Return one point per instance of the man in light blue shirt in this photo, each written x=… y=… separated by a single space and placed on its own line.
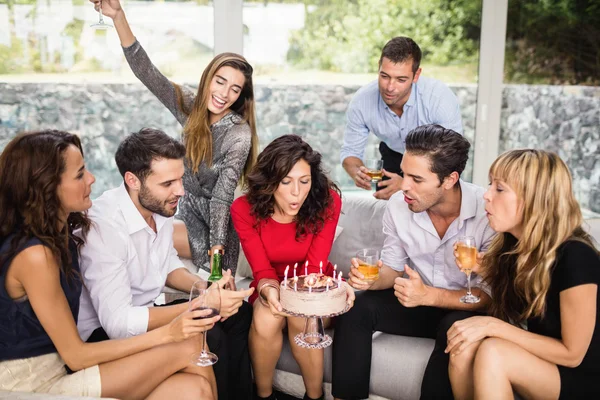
x=398 y=102
x=420 y=287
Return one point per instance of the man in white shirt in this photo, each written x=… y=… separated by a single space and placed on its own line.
x=419 y=287
x=129 y=257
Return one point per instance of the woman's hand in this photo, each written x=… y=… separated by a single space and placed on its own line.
x=271 y=295
x=464 y=333
x=350 y=296
x=478 y=260
x=110 y=8
x=185 y=325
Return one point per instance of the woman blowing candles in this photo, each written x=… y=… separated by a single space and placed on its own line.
x=220 y=138
x=44 y=194
x=544 y=271
x=288 y=215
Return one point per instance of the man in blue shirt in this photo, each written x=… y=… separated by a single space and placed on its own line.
x=398 y=102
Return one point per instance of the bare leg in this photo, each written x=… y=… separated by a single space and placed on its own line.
x=460 y=371
x=501 y=365
x=138 y=375
x=265 y=341
x=309 y=360
x=182 y=386
x=180 y=239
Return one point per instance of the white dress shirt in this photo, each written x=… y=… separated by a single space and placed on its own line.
x=412 y=235
x=124 y=265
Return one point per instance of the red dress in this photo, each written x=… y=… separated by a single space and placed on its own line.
x=272 y=246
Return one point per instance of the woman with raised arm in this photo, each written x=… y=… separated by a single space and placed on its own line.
x=219 y=132
x=288 y=215
x=544 y=272
x=44 y=194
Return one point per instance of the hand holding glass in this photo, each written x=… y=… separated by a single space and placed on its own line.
x=368 y=264
x=467 y=256
x=101 y=24
x=205 y=297
x=374 y=170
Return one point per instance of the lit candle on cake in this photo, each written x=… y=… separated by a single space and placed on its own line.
x=340 y=279
x=320 y=267
x=295 y=266
x=306 y=268
x=334 y=270
x=295 y=284
x=328 y=283
x=285 y=279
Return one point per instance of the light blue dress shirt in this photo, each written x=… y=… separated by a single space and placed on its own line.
x=412 y=235
x=430 y=102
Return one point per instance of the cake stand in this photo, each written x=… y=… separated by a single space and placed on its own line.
x=314 y=336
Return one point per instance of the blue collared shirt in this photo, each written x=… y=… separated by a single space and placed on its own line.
x=430 y=102
x=412 y=235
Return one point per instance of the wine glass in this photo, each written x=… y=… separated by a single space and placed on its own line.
x=374 y=170
x=467 y=256
x=101 y=24
x=205 y=297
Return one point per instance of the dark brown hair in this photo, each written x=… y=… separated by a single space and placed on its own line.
x=401 y=49
x=273 y=165
x=31 y=166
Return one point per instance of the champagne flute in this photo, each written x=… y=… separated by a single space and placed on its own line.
x=467 y=256
x=205 y=297
x=101 y=24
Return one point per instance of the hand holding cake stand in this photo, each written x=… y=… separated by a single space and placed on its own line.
x=314 y=297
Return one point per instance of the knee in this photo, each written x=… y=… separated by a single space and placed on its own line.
x=463 y=362
x=200 y=388
x=266 y=326
x=490 y=354
x=447 y=322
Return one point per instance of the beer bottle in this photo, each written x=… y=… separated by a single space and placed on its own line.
x=216 y=268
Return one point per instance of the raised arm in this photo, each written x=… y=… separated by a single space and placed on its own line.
x=141 y=65
x=356 y=134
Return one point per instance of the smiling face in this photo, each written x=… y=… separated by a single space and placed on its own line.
x=224 y=90
x=292 y=192
x=75 y=183
x=395 y=82
x=163 y=187
x=422 y=188
x=504 y=208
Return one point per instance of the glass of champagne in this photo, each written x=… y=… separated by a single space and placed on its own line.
x=467 y=256
x=374 y=170
x=368 y=264
x=205 y=297
x=101 y=24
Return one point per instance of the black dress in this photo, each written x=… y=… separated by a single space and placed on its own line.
x=577 y=264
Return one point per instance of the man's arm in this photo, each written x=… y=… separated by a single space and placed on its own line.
x=356 y=134
x=181 y=279
x=352 y=166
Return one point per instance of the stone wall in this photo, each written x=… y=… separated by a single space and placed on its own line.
x=563 y=119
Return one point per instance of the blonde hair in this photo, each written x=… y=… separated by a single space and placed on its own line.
x=518 y=271
x=197 y=136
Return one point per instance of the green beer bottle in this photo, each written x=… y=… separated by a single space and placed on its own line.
x=216 y=268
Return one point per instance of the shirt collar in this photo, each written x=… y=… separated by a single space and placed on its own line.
x=133 y=218
x=468 y=204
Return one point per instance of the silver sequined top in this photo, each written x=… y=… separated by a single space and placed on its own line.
x=210 y=191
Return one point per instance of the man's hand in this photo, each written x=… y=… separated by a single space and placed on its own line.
x=356 y=279
x=411 y=291
x=190 y=323
x=361 y=179
x=227 y=281
x=390 y=186
x=478 y=260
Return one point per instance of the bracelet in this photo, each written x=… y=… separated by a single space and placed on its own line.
x=270 y=283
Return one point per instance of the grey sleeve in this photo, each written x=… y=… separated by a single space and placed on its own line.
x=156 y=82
x=236 y=149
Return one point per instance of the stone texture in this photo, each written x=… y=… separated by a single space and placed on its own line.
x=564 y=119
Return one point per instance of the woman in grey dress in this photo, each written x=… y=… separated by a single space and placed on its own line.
x=219 y=131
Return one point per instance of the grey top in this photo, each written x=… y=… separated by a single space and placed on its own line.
x=231 y=146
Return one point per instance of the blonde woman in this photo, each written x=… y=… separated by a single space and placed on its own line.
x=219 y=133
x=544 y=272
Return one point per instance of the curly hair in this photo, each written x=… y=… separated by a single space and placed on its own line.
x=519 y=271
x=273 y=165
x=31 y=166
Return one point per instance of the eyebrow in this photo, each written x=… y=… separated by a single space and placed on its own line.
x=414 y=176
x=395 y=77
x=81 y=168
x=303 y=176
x=220 y=77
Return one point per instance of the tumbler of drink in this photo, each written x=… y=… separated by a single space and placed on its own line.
x=368 y=264
x=374 y=170
x=467 y=256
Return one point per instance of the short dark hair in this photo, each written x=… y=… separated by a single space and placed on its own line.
x=447 y=150
x=401 y=49
x=137 y=151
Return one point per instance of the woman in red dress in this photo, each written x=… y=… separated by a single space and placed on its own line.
x=288 y=216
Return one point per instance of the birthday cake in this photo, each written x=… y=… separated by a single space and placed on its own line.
x=313 y=294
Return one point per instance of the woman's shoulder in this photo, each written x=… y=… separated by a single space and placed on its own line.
x=577 y=263
x=579 y=249
x=241 y=205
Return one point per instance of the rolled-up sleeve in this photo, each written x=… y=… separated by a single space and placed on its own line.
x=103 y=262
x=393 y=251
x=356 y=132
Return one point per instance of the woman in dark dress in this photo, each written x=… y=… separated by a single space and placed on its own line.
x=544 y=272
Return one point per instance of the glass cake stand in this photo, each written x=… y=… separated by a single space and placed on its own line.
x=313 y=336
